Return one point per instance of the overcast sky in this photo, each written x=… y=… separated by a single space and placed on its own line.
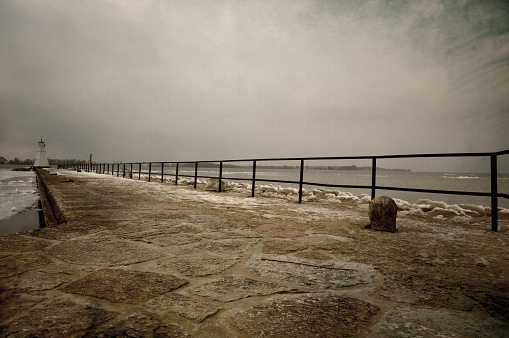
x=197 y=80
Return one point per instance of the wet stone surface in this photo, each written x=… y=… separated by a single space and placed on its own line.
x=310 y=315
x=164 y=239
x=198 y=263
x=106 y=252
x=282 y=246
x=153 y=259
x=320 y=274
x=185 y=306
x=233 y=246
x=139 y=324
x=17 y=264
x=57 y=318
x=13 y=301
x=21 y=243
x=41 y=280
x=412 y=322
x=124 y=286
x=232 y=288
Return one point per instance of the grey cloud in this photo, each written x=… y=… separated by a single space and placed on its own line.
x=159 y=80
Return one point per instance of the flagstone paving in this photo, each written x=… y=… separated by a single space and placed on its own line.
x=140 y=258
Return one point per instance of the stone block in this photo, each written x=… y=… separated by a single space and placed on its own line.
x=382 y=214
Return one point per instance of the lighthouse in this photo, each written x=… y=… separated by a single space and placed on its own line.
x=41 y=161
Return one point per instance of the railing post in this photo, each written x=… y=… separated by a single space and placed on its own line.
x=195 y=173
x=254 y=180
x=301 y=179
x=494 y=193
x=149 y=170
x=220 y=175
x=162 y=172
x=176 y=173
x=373 y=178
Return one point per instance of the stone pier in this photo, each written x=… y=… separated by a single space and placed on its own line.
x=153 y=259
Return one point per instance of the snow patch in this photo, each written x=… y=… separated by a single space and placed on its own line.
x=437 y=210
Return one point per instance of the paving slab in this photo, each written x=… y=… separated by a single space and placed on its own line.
x=20 y=243
x=17 y=264
x=226 y=246
x=198 y=263
x=46 y=277
x=188 y=307
x=57 y=318
x=312 y=273
x=282 y=246
x=138 y=324
x=124 y=286
x=405 y=321
x=106 y=252
x=140 y=258
x=233 y=288
x=15 y=301
x=310 y=315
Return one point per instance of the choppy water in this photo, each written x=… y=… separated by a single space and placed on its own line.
x=477 y=182
x=18 y=200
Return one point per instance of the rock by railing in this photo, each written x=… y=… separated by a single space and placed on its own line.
x=130 y=167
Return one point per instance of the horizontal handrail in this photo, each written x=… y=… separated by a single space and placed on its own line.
x=120 y=169
x=363 y=157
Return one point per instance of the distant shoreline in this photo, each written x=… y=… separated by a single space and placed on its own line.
x=307 y=167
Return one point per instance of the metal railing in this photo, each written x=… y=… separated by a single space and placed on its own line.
x=120 y=170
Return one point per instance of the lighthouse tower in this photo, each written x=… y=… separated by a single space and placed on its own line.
x=40 y=160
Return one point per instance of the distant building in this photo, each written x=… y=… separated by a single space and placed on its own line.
x=41 y=161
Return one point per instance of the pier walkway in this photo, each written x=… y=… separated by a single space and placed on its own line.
x=153 y=259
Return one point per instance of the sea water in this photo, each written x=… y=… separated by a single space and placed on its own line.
x=19 y=198
x=474 y=182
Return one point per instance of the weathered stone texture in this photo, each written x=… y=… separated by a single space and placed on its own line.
x=104 y=252
x=232 y=288
x=382 y=214
x=57 y=318
x=124 y=286
x=185 y=306
x=310 y=315
x=312 y=273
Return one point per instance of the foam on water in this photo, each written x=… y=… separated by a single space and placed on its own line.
x=18 y=192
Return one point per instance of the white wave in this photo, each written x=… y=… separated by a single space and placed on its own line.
x=17 y=193
x=460 y=177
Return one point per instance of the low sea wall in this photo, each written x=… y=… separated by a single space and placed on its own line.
x=52 y=213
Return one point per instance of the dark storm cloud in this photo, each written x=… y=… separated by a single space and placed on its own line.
x=159 y=80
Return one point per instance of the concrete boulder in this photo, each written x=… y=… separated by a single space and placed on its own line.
x=382 y=214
